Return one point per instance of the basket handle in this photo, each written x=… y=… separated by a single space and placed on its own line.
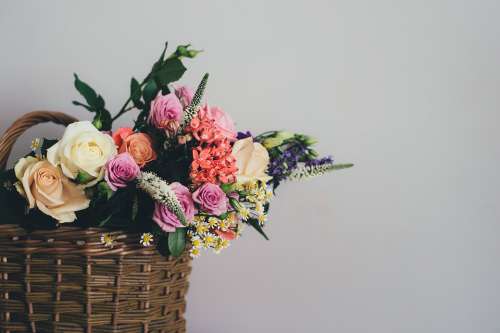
x=22 y=124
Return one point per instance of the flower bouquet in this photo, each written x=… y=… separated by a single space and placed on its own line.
x=182 y=177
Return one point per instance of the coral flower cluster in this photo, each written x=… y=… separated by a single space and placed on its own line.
x=213 y=161
x=213 y=164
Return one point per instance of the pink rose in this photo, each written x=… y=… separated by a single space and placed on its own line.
x=184 y=94
x=164 y=109
x=211 y=199
x=121 y=170
x=166 y=219
x=222 y=120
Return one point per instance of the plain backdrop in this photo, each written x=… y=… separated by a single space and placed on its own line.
x=407 y=240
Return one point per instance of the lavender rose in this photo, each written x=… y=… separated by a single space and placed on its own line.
x=121 y=170
x=165 y=109
x=166 y=219
x=211 y=199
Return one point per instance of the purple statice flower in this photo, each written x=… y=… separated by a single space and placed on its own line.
x=283 y=164
x=243 y=135
x=320 y=161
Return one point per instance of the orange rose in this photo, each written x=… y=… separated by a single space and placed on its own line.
x=120 y=134
x=140 y=147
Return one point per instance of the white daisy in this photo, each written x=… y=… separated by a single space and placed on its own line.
x=146 y=239
x=107 y=240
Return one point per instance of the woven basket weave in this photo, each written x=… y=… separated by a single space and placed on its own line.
x=64 y=280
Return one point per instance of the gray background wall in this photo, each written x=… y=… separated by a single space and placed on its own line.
x=408 y=240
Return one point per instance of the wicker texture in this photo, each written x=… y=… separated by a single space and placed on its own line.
x=65 y=280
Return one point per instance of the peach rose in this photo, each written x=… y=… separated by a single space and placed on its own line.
x=140 y=147
x=252 y=160
x=45 y=187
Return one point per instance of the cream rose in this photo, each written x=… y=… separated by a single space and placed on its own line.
x=252 y=160
x=45 y=187
x=82 y=148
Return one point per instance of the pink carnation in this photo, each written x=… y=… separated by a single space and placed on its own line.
x=165 y=218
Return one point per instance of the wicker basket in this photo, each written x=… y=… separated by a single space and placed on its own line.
x=64 y=280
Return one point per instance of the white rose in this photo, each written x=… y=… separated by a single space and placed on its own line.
x=82 y=148
x=252 y=160
x=45 y=187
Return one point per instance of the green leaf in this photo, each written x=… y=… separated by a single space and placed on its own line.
x=102 y=120
x=165 y=90
x=159 y=62
x=135 y=207
x=83 y=105
x=104 y=190
x=234 y=203
x=254 y=223
x=226 y=187
x=86 y=91
x=99 y=103
x=224 y=216
x=105 y=221
x=171 y=71
x=83 y=177
x=46 y=144
x=135 y=93
x=149 y=92
x=162 y=244
x=177 y=241
x=341 y=166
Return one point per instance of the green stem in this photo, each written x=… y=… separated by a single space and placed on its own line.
x=122 y=111
x=124 y=108
x=264 y=135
